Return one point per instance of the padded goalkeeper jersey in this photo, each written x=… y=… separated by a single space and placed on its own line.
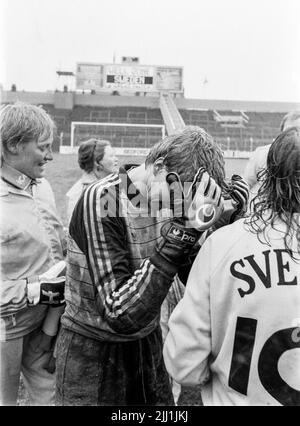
x=113 y=290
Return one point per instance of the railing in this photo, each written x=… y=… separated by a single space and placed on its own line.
x=172 y=118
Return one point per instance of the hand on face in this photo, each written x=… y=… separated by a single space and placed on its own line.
x=199 y=203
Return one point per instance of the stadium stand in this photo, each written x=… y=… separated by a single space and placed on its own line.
x=262 y=127
x=236 y=125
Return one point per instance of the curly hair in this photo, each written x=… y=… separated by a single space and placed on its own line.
x=185 y=152
x=279 y=194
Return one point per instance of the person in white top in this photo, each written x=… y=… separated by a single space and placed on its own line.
x=236 y=331
x=258 y=159
x=97 y=159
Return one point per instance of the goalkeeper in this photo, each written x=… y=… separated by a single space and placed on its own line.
x=109 y=349
x=32 y=241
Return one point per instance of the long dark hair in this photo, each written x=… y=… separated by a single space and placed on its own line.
x=279 y=194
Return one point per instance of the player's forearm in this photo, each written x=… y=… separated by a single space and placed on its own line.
x=187 y=358
x=184 y=366
x=138 y=301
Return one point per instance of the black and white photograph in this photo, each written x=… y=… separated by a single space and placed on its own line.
x=150 y=206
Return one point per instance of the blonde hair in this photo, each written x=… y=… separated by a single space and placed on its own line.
x=21 y=123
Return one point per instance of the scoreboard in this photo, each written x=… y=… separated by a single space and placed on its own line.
x=135 y=77
x=128 y=77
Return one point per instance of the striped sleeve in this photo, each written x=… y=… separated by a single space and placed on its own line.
x=130 y=299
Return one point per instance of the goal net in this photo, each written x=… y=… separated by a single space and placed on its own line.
x=121 y=135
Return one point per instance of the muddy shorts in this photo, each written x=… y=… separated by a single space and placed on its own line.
x=93 y=372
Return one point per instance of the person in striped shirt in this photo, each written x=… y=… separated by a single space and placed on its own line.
x=122 y=259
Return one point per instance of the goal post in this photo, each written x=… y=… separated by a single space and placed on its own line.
x=123 y=136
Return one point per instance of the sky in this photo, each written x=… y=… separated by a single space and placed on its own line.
x=244 y=49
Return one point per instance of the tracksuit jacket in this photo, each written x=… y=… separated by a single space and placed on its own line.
x=32 y=241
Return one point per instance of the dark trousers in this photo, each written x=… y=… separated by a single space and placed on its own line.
x=92 y=372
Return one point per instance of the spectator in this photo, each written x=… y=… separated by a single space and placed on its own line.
x=240 y=309
x=110 y=346
x=258 y=159
x=97 y=159
x=32 y=242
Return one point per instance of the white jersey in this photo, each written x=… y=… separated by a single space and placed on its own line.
x=76 y=191
x=257 y=162
x=237 y=328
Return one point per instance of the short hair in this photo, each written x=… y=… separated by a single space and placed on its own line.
x=279 y=194
x=90 y=151
x=21 y=123
x=185 y=152
x=289 y=117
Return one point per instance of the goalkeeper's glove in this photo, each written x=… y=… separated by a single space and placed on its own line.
x=235 y=201
x=196 y=207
